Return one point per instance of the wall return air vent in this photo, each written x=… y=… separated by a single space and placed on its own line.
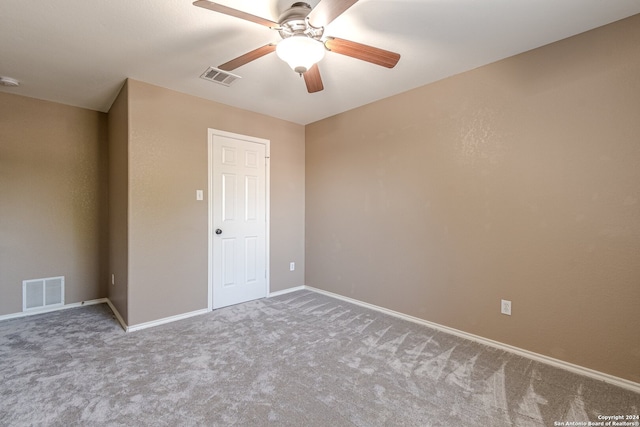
x=218 y=76
x=39 y=294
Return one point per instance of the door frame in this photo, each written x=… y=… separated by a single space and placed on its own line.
x=267 y=143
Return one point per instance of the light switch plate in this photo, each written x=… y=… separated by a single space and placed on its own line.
x=199 y=195
x=505 y=307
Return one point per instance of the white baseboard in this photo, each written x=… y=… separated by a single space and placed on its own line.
x=164 y=320
x=117 y=314
x=181 y=316
x=581 y=370
x=184 y=315
x=152 y=323
x=52 y=309
x=285 y=291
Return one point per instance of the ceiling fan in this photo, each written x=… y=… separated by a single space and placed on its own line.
x=303 y=42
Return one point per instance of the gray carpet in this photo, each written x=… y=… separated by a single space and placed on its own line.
x=301 y=359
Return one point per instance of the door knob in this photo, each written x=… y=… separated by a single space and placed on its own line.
x=218 y=231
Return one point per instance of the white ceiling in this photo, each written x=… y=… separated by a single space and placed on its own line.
x=79 y=52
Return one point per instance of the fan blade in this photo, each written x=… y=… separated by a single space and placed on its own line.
x=328 y=10
x=234 y=12
x=247 y=57
x=313 y=80
x=361 y=51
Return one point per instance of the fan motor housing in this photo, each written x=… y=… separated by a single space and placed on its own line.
x=293 y=21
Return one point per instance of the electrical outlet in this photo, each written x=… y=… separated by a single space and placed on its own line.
x=292 y=266
x=505 y=307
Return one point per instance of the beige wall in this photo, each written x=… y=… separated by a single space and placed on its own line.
x=87 y=195
x=118 y=136
x=167 y=231
x=52 y=198
x=518 y=180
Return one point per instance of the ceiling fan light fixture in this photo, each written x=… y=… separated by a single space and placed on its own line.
x=300 y=52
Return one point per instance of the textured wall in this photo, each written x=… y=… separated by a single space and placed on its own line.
x=168 y=227
x=518 y=180
x=118 y=135
x=52 y=198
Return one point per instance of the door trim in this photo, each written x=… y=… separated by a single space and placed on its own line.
x=267 y=144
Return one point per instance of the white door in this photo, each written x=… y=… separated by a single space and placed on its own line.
x=238 y=218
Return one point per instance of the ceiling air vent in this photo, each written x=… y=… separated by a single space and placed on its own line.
x=218 y=76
